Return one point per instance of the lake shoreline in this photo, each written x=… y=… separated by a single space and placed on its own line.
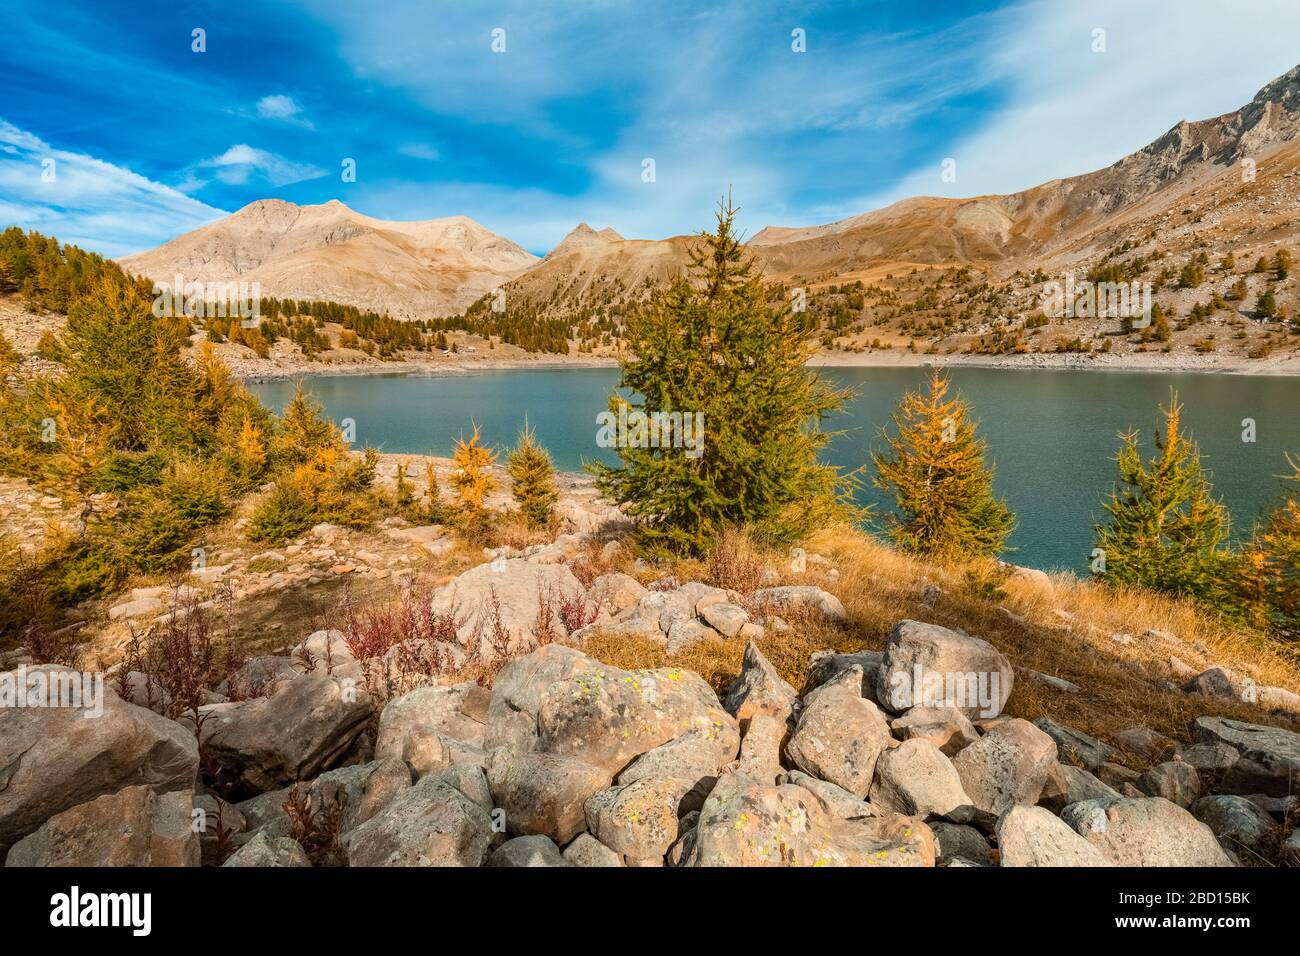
x=258 y=370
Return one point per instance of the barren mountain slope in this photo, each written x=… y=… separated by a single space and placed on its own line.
x=331 y=252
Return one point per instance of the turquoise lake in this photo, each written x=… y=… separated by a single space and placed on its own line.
x=1052 y=434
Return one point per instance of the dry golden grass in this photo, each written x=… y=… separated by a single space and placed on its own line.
x=1120 y=685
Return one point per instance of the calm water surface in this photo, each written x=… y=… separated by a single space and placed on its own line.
x=1051 y=433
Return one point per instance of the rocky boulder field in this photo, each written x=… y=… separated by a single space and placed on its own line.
x=562 y=760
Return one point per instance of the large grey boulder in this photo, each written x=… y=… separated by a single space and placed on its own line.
x=916 y=779
x=1145 y=831
x=825 y=666
x=840 y=735
x=528 y=851
x=306 y=726
x=745 y=823
x=134 y=827
x=639 y=820
x=615 y=593
x=692 y=758
x=519 y=690
x=760 y=689
x=429 y=824
x=932 y=666
x=505 y=593
x=793 y=600
x=1173 y=780
x=587 y=851
x=1236 y=821
x=960 y=841
x=1066 y=785
x=1074 y=746
x=544 y=793
x=455 y=713
x=1270 y=756
x=1032 y=836
x=946 y=727
x=1009 y=765
x=55 y=758
x=269 y=851
x=836 y=801
x=607 y=717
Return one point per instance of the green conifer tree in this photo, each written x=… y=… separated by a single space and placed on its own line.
x=936 y=474
x=714 y=347
x=1166 y=531
x=533 y=479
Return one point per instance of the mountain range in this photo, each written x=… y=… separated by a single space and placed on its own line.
x=1212 y=169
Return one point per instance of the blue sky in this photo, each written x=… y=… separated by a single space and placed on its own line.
x=150 y=139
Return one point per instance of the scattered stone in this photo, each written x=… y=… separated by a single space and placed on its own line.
x=961 y=841
x=1210 y=756
x=840 y=735
x=615 y=593
x=1056 y=683
x=1009 y=765
x=434 y=714
x=263 y=850
x=837 y=801
x=56 y=758
x=586 y=850
x=954 y=670
x=1031 y=836
x=825 y=666
x=303 y=728
x=760 y=689
x=794 y=599
x=1174 y=780
x=1147 y=831
x=1222 y=684
x=725 y=618
x=1067 y=784
x=916 y=779
x=760 y=749
x=744 y=823
x=544 y=793
x=608 y=717
x=534 y=851
x=133 y=827
x=1270 y=756
x=1074 y=746
x=519 y=690
x=429 y=824
x=946 y=727
x=1235 y=821
x=638 y=820
x=1146 y=744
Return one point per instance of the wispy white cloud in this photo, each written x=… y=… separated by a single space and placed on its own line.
x=241 y=162
x=88 y=202
x=420 y=151
x=284 y=108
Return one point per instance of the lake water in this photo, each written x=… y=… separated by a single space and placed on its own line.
x=1051 y=433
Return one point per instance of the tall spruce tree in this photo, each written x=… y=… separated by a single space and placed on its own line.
x=533 y=479
x=713 y=344
x=935 y=472
x=1166 y=530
